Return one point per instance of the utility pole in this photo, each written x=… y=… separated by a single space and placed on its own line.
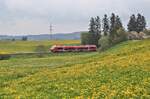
x=51 y=29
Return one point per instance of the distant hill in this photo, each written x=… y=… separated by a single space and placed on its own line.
x=64 y=36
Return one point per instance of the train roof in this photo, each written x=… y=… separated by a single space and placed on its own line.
x=74 y=46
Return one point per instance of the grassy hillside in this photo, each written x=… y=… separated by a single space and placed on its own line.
x=121 y=72
x=30 y=46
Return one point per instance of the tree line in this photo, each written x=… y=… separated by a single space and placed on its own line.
x=110 y=30
x=137 y=24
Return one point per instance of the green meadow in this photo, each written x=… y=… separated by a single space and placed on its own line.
x=30 y=46
x=121 y=72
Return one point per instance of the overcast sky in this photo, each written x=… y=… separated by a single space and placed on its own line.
x=34 y=16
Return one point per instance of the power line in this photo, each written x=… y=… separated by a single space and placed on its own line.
x=51 y=30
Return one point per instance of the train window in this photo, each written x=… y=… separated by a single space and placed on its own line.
x=84 y=48
x=92 y=47
x=60 y=48
x=69 y=48
x=65 y=48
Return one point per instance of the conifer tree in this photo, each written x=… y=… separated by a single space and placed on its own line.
x=118 y=23
x=92 y=28
x=144 y=22
x=98 y=27
x=137 y=24
x=112 y=26
x=112 y=22
x=132 y=25
x=95 y=29
x=141 y=23
x=105 y=25
x=115 y=25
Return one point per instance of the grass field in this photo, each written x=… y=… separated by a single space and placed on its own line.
x=121 y=72
x=30 y=46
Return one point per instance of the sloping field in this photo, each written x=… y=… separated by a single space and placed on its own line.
x=30 y=46
x=121 y=72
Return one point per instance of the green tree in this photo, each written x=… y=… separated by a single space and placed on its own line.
x=40 y=50
x=141 y=23
x=104 y=42
x=121 y=35
x=144 y=22
x=24 y=38
x=87 y=38
x=115 y=25
x=139 y=26
x=92 y=27
x=112 y=22
x=132 y=24
x=112 y=25
x=98 y=26
x=97 y=34
x=95 y=30
x=118 y=23
x=105 y=25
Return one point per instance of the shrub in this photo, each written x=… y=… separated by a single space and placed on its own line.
x=104 y=43
x=40 y=50
x=88 y=38
x=4 y=56
x=24 y=38
x=107 y=41
x=13 y=39
x=118 y=36
x=147 y=32
x=121 y=35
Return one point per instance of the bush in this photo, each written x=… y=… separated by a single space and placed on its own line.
x=121 y=35
x=13 y=39
x=88 y=38
x=104 y=43
x=4 y=56
x=24 y=38
x=107 y=41
x=147 y=32
x=40 y=50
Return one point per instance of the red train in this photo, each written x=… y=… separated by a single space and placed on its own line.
x=81 y=48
